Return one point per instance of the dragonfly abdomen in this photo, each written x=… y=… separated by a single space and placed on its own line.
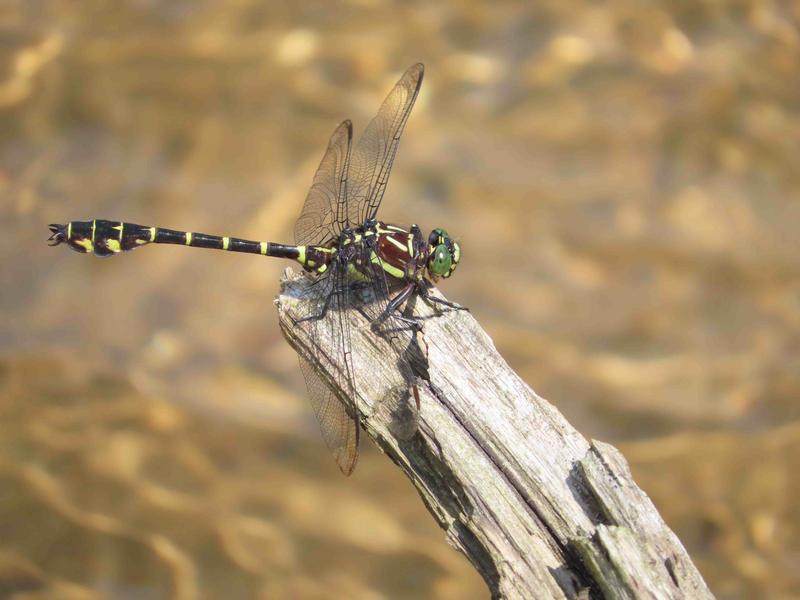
x=107 y=238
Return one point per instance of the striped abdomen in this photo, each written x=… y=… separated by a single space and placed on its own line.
x=107 y=238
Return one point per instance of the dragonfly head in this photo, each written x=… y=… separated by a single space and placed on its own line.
x=444 y=254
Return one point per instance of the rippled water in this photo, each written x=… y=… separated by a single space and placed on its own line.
x=622 y=179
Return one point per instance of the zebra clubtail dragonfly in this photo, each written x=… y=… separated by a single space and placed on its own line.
x=355 y=261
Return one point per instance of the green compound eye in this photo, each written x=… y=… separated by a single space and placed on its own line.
x=441 y=261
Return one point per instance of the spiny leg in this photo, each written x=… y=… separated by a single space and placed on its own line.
x=423 y=291
x=443 y=302
x=395 y=303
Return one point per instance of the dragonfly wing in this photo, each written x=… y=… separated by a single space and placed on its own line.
x=374 y=154
x=340 y=430
x=331 y=349
x=399 y=406
x=324 y=211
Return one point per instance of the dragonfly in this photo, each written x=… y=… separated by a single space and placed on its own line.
x=354 y=261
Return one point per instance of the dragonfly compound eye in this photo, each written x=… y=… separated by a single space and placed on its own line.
x=441 y=261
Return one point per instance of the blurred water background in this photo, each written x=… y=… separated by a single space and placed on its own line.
x=622 y=176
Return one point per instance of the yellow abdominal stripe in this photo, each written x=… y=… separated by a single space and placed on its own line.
x=113 y=245
x=85 y=243
x=188 y=238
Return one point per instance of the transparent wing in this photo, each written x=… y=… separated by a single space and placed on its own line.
x=339 y=424
x=374 y=154
x=324 y=210
x=340 y=431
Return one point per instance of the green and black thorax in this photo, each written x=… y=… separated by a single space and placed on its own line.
x=401 y=254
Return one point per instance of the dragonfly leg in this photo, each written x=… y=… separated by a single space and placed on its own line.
x=413 y=321
x=394 y=304
x=444 y=302
x=424 y=292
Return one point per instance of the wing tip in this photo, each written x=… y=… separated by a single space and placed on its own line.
x=415 y=72
x=347 y=469
x=347 y=457
x=344 y=126
x=417 y=69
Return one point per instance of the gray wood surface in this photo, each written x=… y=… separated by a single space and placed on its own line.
x=540 y=511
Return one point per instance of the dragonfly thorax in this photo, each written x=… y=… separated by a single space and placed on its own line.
x=399 y=253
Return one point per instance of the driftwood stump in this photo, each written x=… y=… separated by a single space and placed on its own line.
x=539 y=511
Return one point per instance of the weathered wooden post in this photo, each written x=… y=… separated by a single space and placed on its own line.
x=540 y=511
